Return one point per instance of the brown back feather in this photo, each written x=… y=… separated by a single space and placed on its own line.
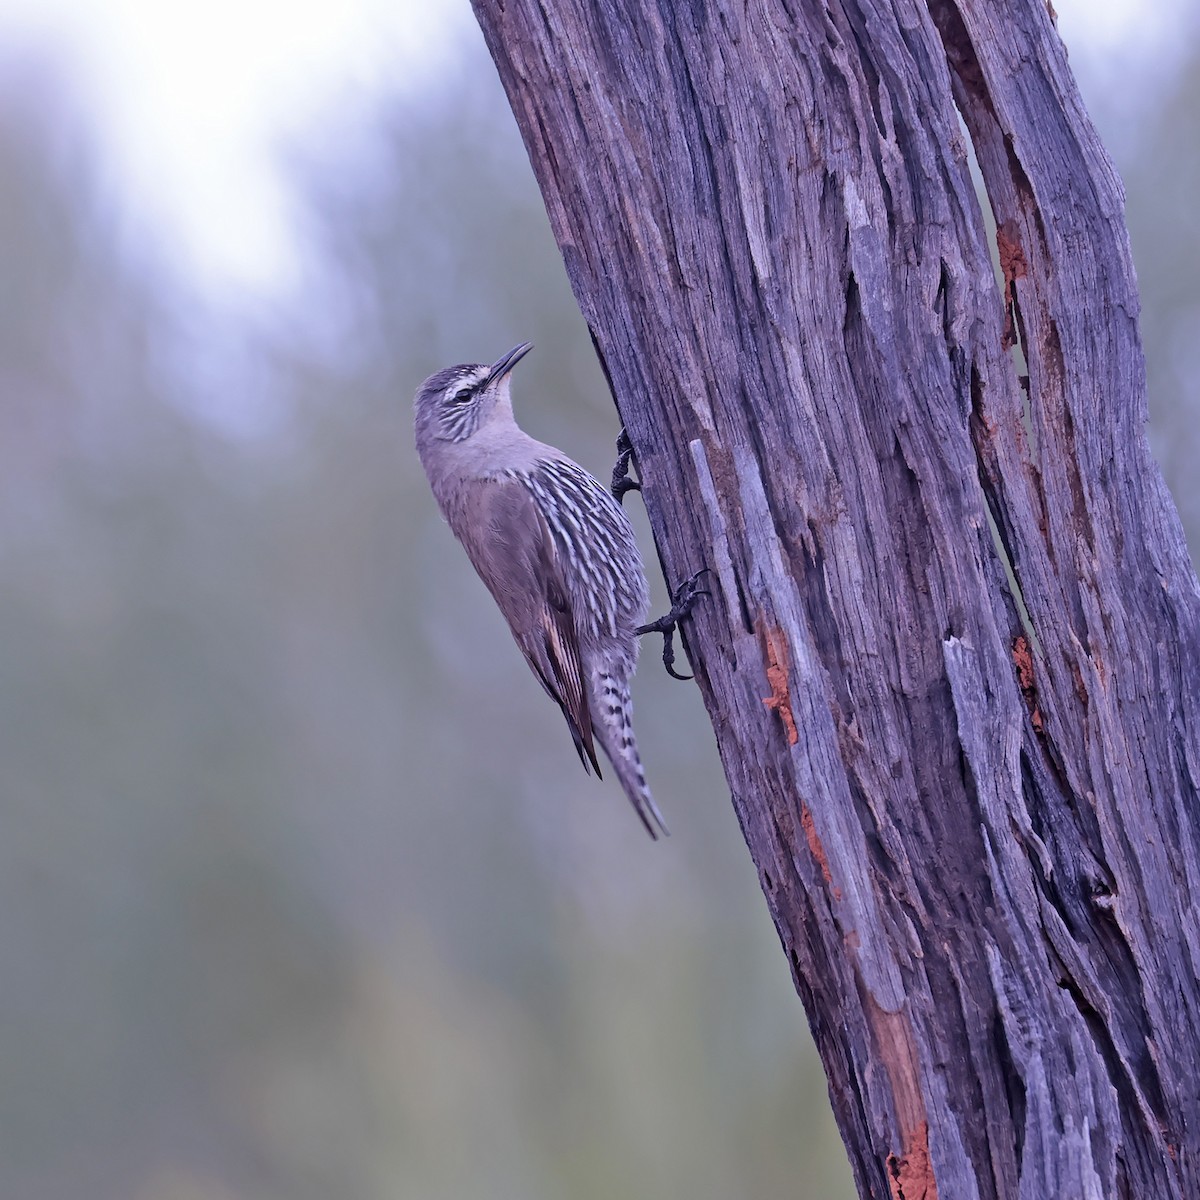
x=510 y=546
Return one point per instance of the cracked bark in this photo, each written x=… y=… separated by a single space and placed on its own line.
x=976 y=826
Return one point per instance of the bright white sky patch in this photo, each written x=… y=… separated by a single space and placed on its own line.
x=1126 y=45
x=193 y=97
x=192 y=100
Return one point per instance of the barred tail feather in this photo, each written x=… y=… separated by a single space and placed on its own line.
x=614 y=729
x=643 y=802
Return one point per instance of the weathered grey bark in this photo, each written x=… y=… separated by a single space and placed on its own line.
x=979 y=840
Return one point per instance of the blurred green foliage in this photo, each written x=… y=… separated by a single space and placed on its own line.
x=302 y=891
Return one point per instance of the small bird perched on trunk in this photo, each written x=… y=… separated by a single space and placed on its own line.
x=556 y=551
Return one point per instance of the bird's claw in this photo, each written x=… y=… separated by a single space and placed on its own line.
x=621 y=483
x=683 y=600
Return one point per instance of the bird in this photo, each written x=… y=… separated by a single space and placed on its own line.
x=555 y=549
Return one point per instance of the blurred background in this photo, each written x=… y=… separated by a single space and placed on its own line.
x=302 y=891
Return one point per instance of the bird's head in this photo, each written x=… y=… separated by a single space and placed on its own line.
x=454 y=403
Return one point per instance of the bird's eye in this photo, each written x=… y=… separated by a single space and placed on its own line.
x=462 y=396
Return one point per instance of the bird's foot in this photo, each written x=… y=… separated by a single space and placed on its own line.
x=621 y=483
x=683 y=600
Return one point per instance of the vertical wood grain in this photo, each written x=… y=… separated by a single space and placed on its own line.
x=979 y=837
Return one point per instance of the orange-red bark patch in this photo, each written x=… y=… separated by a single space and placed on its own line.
x=1013 y=267
x=777 y=676
x=814 y=842
x=911 y=1173
x=1022 y=657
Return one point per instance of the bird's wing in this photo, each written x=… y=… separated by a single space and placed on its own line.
x=513 y=551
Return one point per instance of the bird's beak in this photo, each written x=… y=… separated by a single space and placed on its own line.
x=510 y=360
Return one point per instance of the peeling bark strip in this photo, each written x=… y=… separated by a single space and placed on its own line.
x=768 y=220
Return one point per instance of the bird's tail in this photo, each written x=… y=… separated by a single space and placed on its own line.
x=615 y=730
x=644 y=806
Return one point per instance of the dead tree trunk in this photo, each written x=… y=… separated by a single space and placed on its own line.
x=977 y=824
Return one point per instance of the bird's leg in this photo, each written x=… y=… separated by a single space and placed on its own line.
x=682 y=602
x=621 y=483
